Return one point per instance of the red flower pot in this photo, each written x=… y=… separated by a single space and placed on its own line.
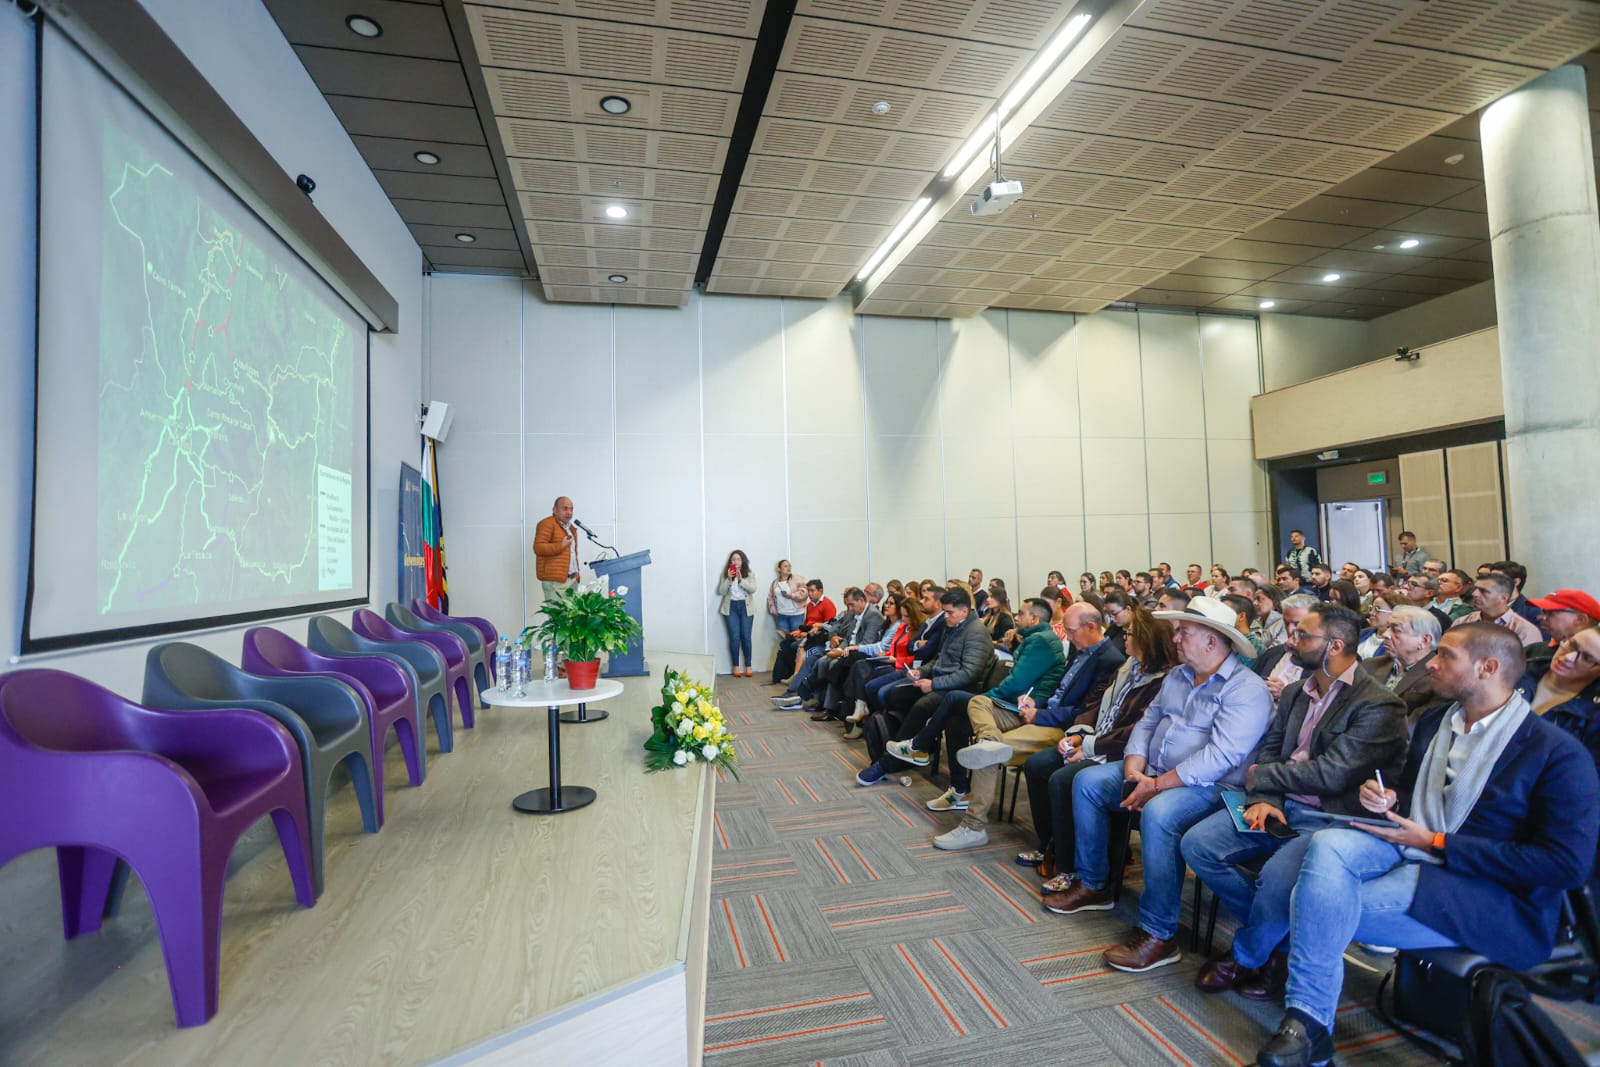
x=582 y=674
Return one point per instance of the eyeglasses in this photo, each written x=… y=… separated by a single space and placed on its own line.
x=1571 y=645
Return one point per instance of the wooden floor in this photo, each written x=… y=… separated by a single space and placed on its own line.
x=461 y=920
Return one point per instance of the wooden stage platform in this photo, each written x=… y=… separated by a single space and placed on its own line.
x=463 y=932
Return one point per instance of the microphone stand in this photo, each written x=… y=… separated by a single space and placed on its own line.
x=614 y=553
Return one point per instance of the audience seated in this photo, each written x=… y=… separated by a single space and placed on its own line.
x=1097 y=735
x=966 y=653
x=1562 y=614
x=1502 y=810
x=1410 y=638
x=819 y=612
x=835 y=664
x=1454 y=587
x=1117 y=608
x=860 y=624
x=1275 y=666
x=1492 y=594
x=1003 y=728
x=1172 y=600
x=1287 y=579
x=1191 y=743
x=1039 y=665
x=1144 y=590
x=1330 y=731
x=1422 y=591
x=1518 y=575
x=1321 y=579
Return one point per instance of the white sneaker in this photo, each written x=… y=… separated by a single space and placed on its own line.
x=961 y=837
x=787 y=703
x=949 y=800
x=902 y=750
x=981 y=754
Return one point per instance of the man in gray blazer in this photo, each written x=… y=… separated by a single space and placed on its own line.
x=861 y=623
x=1331 y=730
x=1410 y=642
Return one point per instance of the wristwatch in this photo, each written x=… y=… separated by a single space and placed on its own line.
x=1438 y=842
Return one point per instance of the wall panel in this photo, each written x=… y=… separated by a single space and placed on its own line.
x=1477 y=508
x=858 y=447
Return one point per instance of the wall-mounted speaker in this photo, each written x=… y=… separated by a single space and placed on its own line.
x=436 y=419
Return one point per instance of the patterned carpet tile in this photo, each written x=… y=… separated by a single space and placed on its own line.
x=742 y=828
x=734 y=870
x=767 y=926
x=1061 y=1042
x=795 y=1014
x=850 y=816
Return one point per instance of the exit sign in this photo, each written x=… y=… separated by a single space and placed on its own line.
x=1377 y=477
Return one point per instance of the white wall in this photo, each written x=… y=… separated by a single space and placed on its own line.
x=1297 y=348
x=240 y=50
x=856 y=446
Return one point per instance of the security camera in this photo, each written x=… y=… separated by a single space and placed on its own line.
x=1406 y=355
x=306 y=185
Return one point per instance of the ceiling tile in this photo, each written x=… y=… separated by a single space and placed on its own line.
x=408 y=29
x=1330 y=28
x=1292 y=157
x=342 y=72
x=434 y=213
x=1540 y=32
x=1322 y=234
x=561 y=98
x=851 y=144
x=1464 y=269
x=813 y=99
x=1345 y=211
x=445 y=237
x=1428 y=156
x=1309 y=275
x=1237 y=269
x=1023 y=23
x=1147 y=116
x=398 y=153
x=1426 y=245
x=1210 y=69
x=738 y=18
x=1367 y=123
x=857 y=52
x=414 y=185
x=459 y=255
x=1251 y=250
x=1403 y=187
x=601 y=144
x=1446 y=223
x=396 y=118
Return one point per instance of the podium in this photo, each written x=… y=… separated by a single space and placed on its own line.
x=624 y=571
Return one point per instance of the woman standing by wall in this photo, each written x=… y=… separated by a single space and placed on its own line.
x=737 y=587
x=786 y=599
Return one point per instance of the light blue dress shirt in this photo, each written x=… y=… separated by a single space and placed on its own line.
x=1205 y=732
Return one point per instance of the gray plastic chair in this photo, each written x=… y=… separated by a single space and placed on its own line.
x=471 y=636
x=330 y=637
x=326 y=718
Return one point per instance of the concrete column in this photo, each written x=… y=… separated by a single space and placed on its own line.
x=1539 y=176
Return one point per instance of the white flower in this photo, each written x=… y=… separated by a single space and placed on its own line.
x=621 y=590
x=684 y=726
x=680 y=757
x=710 y=752
x=677 y=707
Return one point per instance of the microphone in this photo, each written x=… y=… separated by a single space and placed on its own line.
x=578 y=523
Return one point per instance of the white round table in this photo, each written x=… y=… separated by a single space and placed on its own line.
x=553 y=696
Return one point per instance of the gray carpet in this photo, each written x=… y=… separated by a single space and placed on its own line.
x=840 y=936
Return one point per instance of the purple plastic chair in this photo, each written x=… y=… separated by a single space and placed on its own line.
x=383 y=686
x=370 y=624
x=478 y=652
x=105 y=780
x=491 y=636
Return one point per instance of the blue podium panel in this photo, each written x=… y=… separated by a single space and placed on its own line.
x=624 y=572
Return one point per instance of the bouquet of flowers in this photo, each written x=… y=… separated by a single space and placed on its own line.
x=688 y=726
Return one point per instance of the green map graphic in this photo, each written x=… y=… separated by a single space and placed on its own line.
x=224 y=436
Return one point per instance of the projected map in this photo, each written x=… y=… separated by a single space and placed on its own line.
x=224 y=436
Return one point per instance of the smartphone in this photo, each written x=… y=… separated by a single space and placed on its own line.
x=1278 y=830
x=1128 y=786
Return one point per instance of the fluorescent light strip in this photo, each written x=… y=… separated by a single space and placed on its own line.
x=1041 y=65
x=895 y=234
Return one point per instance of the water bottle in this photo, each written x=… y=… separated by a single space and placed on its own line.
x=502 y=663
x=523 y=668
x=550 y=655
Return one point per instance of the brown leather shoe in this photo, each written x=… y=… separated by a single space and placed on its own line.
x=821 y=715
x=1141 y=952
x=1079 y=898
x=1222 y=974
x=1268 y=982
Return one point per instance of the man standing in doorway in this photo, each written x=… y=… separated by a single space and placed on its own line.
x=1301 y=556
x=556 y=547
x=1412 y=556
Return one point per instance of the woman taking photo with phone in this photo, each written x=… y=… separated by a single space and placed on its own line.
x=736 y=587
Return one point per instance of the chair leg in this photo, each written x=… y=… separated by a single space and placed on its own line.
x=1121 y=841
x=480 y=675
x=317 y=824
x=439 y=709
x=186 y=896
x=1211 y=922
x=369 y=789
x=413 y=747
x=295 y=838
x=1000 y=803
x=464 y=703
x=1016 y=788
x=86 y=876
x=1194 y=916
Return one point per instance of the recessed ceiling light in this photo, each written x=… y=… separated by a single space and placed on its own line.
x=881 y=107
x=616 y=211
x=465 y=238
x=1330 y=277
x=1410 y=242
x=362 y=26
x=617 y=279
x=1451 y=161
x=426 y=158
x=1379 y=248
x=615 y=105
x=1351 y=311
x=1267 y=305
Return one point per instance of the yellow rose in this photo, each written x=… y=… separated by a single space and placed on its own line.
x=701 y=733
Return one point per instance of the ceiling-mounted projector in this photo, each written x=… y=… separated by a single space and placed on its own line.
x=996 y=197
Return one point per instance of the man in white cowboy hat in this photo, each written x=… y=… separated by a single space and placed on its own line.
x=1193 y=741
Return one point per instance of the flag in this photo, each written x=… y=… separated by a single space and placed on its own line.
x=433 y=529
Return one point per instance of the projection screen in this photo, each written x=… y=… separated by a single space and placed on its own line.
x=201 y=431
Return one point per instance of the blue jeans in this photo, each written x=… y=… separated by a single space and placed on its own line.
x=808 y=667
x=738 y=622
x=1096 y=794
x=1352 y=887
x=1213 y=848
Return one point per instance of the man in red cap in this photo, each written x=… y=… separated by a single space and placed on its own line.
x=1562 y=614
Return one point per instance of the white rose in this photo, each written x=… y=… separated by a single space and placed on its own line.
x=680 y=757
x=710 y=752
x=677 y=707
x=684 y=726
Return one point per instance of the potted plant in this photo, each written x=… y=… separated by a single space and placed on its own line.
x=584 y=623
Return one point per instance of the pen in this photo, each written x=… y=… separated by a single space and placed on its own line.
x=1381 y=787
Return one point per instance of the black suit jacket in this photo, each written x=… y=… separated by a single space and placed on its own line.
x=1363 y=730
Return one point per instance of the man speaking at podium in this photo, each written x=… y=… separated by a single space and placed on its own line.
x=557 y=548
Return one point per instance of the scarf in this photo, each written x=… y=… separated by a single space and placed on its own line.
x=1445 y=808
x=1131 y=675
